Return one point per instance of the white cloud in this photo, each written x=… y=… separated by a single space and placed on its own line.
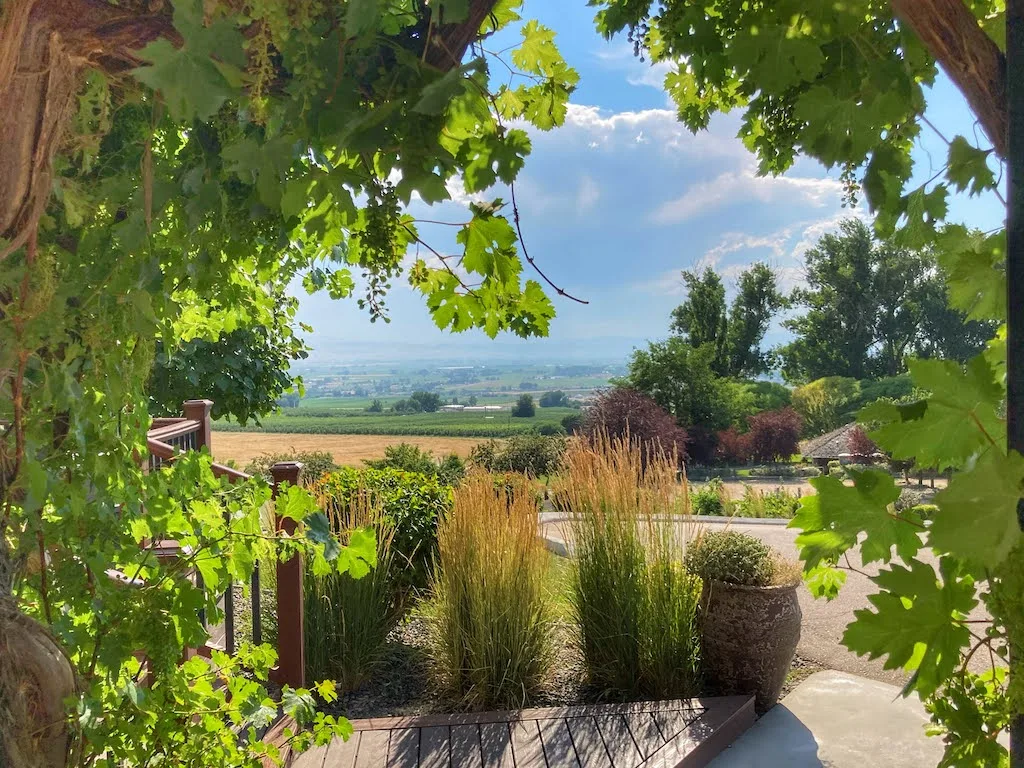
x=659 y=127
x=587 y=195
x=743 y=187
x=652 y=75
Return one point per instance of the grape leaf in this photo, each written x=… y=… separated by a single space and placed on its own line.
x=975 y=275
x=361 y=16
x=951 y=425
x=831 y=521
x=968 y=167
x=977 y=515
x=824 y=581
x=491 y=157
x=537 y=53
x=913 y=623
x=489 y=241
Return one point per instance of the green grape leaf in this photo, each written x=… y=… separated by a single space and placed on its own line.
x=832 y=520
x=968 y=167
x=977 y=515
x=318 y=530
x=914 y=623
x=537 y=53
x=952 y=425
x=975 y=273
x=361 y=17
x=435 y=97
x=295 y=503
x=824 y=581
x=490 y=157
x=360 y=554
x=489 y=242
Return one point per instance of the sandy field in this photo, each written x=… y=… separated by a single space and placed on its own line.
x=346 y=449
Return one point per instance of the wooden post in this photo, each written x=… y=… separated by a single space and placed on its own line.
x=199 y=410
x=291 y=646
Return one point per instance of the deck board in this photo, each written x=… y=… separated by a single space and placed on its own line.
x=666 y=734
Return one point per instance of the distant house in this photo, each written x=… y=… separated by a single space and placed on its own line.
x=832 y=446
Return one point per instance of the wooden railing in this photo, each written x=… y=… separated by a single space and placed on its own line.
x=166 y=439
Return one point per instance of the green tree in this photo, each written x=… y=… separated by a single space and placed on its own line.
x=735 y=335
x=524 y=407
x=377 y=406
x=868 y=306
x=701 y=319
x=167 y=170
x=757 y=301
x=428 y=402
x=826 y=404
x=681 y=379
x=845 y=84
x=555 y=399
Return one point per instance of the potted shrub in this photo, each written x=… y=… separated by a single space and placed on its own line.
x=750 y=614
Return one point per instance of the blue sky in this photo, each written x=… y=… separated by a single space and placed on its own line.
x=619 y=200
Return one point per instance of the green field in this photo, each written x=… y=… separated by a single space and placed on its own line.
x=336 y=421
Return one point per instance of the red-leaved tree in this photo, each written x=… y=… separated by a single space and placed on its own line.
x=861 y=447
x=621 y=411
x=774 y=435
x=733 y=447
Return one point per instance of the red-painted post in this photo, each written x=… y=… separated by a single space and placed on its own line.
x=199 y=410
x=291 y=645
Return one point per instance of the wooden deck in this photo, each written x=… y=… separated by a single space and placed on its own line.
x=667 y=734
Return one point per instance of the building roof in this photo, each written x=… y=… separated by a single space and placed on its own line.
x=829 y=446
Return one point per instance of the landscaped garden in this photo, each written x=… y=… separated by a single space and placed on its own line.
x=468 y=609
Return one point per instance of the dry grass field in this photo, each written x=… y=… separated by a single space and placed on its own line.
x=242 y=447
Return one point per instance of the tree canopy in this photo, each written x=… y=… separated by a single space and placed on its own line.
x=868 y=305
x=736 y=334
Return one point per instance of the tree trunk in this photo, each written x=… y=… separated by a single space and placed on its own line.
x=967 y=55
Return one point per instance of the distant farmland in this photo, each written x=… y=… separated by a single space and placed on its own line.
x=337 y=421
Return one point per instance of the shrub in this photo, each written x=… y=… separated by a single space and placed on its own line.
x=573 y=423
x=908 y=499
x=621 y=411
x=711 y=499
x=347 y=620
x=771 y=504
x=489 y=616
x=774 y=435
x=548 y=430
x=524 y=407
x=556 y=399
x=531 y=454
x=826 y=404
x=732 y=557
x=733 y=447
x=428 y=402
x=634 y=604
x=411 y=458
x=315 y=464
x=835 y=469
x=412 y=503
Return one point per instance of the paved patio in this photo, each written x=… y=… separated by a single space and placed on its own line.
x=667 y=734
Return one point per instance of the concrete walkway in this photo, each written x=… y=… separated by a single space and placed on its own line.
x=837 y=720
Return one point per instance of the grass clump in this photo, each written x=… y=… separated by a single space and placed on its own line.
x=737 y=558
x=711 y=499
x=778 y=503
x=634 y=603
x=347 y=619
x=490 y=613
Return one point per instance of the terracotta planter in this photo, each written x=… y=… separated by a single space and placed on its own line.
x=749 y=638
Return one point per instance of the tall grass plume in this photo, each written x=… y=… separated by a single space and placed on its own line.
x=490 y=614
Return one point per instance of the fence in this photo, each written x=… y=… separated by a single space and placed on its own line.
x=169 y=437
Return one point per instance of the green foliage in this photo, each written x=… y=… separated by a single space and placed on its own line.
x=732 y=557
x=826 y=404
x=315 y=464
x=735 y=336
x=375 y=407
x=524 y=408
x=710 y=499
x=634 y=604
x=410 y=503
x=490 y=611
x=777 y=503
x=555 y=399
x=681 y=379
x=411 y=458
x=347 y=620
x=572 y=423
x=535 y=455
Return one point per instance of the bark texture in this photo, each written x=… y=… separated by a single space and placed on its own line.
x=967 y=55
